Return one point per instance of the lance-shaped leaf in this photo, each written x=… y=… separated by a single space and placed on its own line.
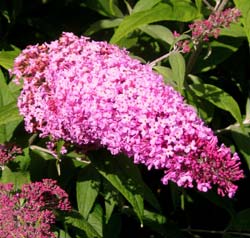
x=219 y=98
x=123 y=175
x=244 y=7
x=176 y=11
x=87 y=189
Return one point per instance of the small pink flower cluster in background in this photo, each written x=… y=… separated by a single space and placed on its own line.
x=29 y=212
x=8 y=152
x=201 y=30
x=93 y=93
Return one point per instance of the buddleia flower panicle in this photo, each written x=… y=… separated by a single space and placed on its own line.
x=93 y=93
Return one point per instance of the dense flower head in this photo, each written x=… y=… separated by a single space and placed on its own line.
x=93 y=93
x=29 y=212
x=8 y=152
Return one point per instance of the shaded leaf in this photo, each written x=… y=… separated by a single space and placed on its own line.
x=104 y=7
x=241 y=222
x=123 y=175
x=219 y=50
x=219 y=98
x=242 y=142
x=155 y=221
x=102 y=24
x=84 y=228
x=113 y=228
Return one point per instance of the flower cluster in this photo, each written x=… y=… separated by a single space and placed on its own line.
x=93 y=93
x=211 y=26
x=201 y=30
x=29 y=212
x=8 y=152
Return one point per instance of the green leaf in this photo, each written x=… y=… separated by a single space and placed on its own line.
x=218 y=51
x=234 y=30
x=167 y=74
x=248 y=109
x=62 y=234
x=219 y=98
x=7 y=57
x=205 y=109
x=84 y=228
x=17 y=171
x=9 y=120
x=221 y=202
x=198 y=4
x=155 y=221
x=123 y=175
x=96 y=219
x=178 y=66
x=87 y=189
x=241 y=222
x=9 y=114
x=242 y=142
x=159 y=32
x=111 y=196
x=143 y=5
x=102 y=24
x=179 y=11
x=18 y=178
x=104 y=7
x=244 y=7
x=113 y=228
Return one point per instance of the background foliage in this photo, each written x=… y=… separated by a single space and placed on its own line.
x=111 y=196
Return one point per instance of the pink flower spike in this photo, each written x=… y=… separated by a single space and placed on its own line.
x=93 y=94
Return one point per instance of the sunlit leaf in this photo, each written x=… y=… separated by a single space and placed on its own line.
x=7 y=57
x=167 y=74
x=244 y=7
x=143 y=5
x=178 y=66
x=87 y=188
x=179 y=11
x=96 y=219
x=159 y=32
